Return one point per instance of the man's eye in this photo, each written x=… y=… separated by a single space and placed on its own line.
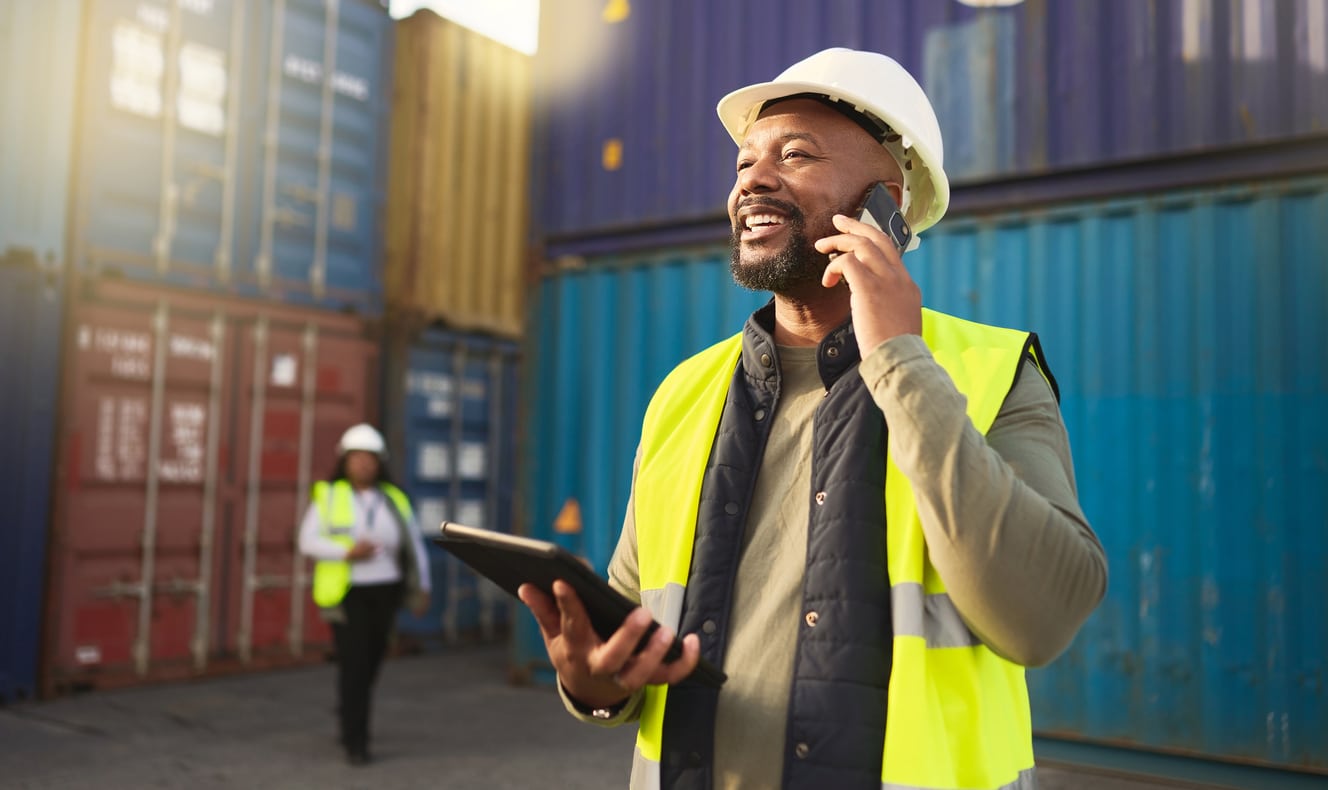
x=743 y=165
x=794 y=154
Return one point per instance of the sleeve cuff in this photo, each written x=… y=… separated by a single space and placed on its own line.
x=607 y=717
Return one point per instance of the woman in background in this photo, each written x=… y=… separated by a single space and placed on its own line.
x=370 y=560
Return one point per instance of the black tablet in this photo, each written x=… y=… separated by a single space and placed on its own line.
x=510 y=561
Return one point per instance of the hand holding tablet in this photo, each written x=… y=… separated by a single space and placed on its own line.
x=510 y=561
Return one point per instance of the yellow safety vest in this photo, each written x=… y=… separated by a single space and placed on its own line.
x=958 y=716
x=336 y=514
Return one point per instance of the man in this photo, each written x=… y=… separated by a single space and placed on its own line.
x=864 y=511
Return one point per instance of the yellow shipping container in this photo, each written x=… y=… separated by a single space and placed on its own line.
x=458 y=193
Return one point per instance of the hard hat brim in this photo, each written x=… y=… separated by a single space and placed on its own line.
x=736 y=108
x=737 y=111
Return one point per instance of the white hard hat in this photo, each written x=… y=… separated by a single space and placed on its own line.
x=876 y=86
x=362 y=437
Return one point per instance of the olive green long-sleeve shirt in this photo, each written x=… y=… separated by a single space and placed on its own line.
x=1000 y=514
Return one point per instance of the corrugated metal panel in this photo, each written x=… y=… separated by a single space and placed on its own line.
x=627 y=134
x=36 y=122
x=458 y=199
x=1186 y=333
x=317 y=99
x=451 y=401
x=213 y=153
x=157 y=172
x=30 y=318
x=192 y=429
x=603 y=338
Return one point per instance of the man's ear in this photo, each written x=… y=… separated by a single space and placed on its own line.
x=896 y=191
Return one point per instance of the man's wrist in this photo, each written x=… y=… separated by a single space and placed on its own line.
x=594 y=711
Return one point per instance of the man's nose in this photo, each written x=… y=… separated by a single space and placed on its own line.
x=758 y=177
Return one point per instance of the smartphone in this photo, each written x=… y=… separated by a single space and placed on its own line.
x=880 y=210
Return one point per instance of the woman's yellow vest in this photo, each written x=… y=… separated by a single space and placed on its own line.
x=336 y=512
x=958 y=714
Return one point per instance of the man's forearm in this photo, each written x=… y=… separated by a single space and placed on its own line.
x=1000 y=515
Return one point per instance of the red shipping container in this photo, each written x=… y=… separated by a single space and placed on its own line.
x=192 y=428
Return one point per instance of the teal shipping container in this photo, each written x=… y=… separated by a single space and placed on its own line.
x=1186 y=330
x=450 y=406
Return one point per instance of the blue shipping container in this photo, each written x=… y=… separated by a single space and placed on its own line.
x=30 y=324
x=626 y=132
x=451 y=410
x=1186 y=331
x=36 y=125
x=235 y=145
x=314 y=142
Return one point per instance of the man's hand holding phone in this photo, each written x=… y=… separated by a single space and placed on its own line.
x=885 y=300
x=604 y=673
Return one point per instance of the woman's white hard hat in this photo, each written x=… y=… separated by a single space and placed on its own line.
x=876 y=86
x=363 y=437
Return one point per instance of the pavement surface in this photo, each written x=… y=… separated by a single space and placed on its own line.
x=444 y=720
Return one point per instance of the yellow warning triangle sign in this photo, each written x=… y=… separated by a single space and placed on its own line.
x=569 y=518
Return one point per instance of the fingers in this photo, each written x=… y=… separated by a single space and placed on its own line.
x=615 y=657
x=868 y=247
x=678 y=671
x=544 y=609
x=885 y=300
x=595 y=669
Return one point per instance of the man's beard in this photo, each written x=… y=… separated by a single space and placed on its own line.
x=795 y=264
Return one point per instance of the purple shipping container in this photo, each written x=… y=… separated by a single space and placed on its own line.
x=627 y=136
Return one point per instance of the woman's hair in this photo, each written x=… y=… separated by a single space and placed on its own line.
x=339 y=471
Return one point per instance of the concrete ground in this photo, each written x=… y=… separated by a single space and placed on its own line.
x=448 y=720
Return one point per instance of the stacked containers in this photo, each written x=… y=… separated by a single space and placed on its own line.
x=35 y=124
x=1180 y=323
x=455 y=263
x=223 y=240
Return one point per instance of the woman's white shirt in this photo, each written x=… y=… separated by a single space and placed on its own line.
x=374 y=521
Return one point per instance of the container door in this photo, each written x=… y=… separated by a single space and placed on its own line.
x=157 y=150
x=193 y=429
x=301 y=384
x=319 y=94
x=458 y=428
x=132 y=592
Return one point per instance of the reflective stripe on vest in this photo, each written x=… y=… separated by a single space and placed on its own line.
x=985 y=743
x=336 y=516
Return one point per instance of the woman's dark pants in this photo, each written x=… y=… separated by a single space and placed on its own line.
x=361 y=643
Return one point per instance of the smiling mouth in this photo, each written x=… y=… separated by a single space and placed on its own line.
x=758 y=221
x=759 y=225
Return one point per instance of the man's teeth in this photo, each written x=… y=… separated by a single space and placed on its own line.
x=763 y=219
